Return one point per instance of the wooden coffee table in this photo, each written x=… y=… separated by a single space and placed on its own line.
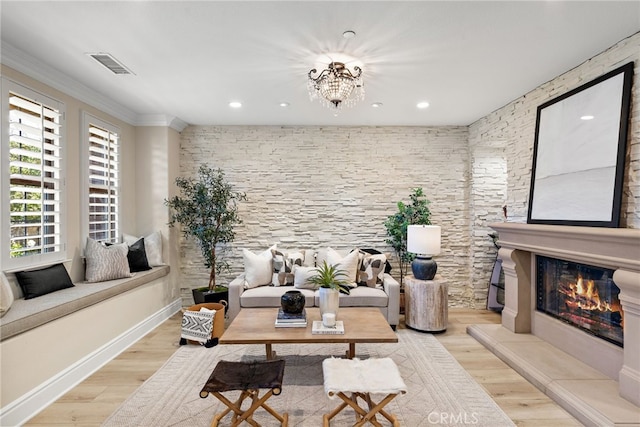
x=256 y=326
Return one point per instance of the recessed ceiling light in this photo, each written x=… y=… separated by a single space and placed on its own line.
x=349 y=34
x=422 y=105
x=284 y=104
x=376 y=104
x=235 y=104
x=587 y=117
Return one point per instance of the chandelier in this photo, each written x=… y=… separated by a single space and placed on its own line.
x=336 y=86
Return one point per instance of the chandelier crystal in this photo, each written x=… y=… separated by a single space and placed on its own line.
x=336 y=86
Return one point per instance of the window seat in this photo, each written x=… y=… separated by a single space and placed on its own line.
x=25 y=315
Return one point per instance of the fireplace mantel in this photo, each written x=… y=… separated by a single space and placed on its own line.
x=605 y=247
x=614 y=248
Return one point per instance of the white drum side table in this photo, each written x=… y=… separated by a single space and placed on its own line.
x=426 y=304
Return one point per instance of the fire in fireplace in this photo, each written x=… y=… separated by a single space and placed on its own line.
x=581 y=295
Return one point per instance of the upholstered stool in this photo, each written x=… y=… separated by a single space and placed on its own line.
x=249 y=377
x=350 y=379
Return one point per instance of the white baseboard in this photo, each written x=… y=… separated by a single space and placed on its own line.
x=22 y=409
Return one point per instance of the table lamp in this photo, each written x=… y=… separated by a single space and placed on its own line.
x=424 y=241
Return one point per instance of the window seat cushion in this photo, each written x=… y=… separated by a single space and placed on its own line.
x=28 y=314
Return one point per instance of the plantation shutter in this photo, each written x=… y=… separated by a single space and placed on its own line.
x=103 y=184
x=35 y=177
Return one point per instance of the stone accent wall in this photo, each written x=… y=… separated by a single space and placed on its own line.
x=515 y=125
x=504 y=139
x=311 y=187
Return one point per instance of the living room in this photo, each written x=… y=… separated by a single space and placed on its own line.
x=324 y=183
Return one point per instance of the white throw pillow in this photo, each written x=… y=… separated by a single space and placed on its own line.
x=301 y=277
x=6 y=295
x=258 y=268
x=349 y=264
x=152 y=246
x=106 y=262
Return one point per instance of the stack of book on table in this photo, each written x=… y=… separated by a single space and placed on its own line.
x=319 y=328
x=288 y=320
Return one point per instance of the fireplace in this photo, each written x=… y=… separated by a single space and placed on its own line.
x=606 y=260
x=581 y=295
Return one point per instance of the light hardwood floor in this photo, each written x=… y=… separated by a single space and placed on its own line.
x=92 y=401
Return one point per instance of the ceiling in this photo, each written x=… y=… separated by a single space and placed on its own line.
x=191 y=59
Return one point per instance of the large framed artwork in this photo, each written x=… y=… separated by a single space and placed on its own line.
x=579 y=153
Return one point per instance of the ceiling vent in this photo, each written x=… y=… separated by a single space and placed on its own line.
x=111 y=63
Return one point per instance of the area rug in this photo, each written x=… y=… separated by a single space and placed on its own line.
x=440 y=392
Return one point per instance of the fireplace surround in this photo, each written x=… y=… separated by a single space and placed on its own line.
x=615 y=249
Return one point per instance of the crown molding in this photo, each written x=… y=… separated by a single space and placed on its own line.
x=161 y=120
x=44 y=73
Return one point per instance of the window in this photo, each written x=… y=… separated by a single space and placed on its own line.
x=32 y=177
x=103 y=183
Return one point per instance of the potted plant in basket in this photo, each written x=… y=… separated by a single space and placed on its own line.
x=207 y=211
x=330 y=281
x=416 y=213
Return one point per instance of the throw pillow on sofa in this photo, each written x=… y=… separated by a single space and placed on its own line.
x=35 y=283
x=302 y=275
x=348 y=263
x=371 y=269
x=284 y=265
x=258 y=268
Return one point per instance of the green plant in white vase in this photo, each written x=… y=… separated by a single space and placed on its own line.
x=331 y=282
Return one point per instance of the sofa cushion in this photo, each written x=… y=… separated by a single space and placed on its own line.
x=35 y=283
x=362 y=296
x=269 y=296
x=257 y=267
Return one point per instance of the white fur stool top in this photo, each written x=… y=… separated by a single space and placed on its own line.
x=375 y=376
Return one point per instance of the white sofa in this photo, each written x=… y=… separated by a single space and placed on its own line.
x=385 y=295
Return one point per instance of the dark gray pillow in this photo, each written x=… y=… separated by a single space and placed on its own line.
x=35 y=283
x=137 y=257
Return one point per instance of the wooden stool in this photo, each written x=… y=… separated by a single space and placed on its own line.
x=360 y=379
x=249 y=377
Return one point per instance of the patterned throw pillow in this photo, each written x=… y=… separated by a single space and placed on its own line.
x=284 y=265
x=106 y=263
x=371 y=269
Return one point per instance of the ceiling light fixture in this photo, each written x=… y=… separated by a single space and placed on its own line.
x=336 y=86
x=422 y=105
x=235 y=104
x=376 y=104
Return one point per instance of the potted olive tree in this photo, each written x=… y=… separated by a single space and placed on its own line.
x=207 y=211
x=418 y=213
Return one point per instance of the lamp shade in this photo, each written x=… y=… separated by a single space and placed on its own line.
x=423 y=239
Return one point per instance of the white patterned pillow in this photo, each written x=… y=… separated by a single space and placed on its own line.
x=284 y=265
x=197 y=325
x=106 y=262
x=152 y=246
